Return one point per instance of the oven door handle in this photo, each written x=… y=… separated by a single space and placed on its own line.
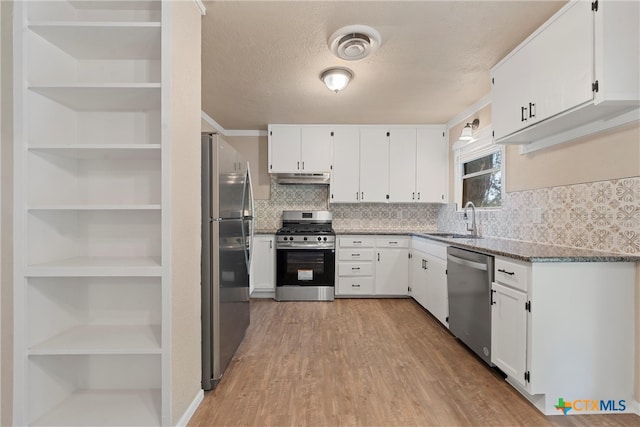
x=303 y=246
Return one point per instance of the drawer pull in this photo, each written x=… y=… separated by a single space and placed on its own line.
x=355 y=254
x=393 y=243
x=510 y=273
x=355 y=285
x=355 y=268
x=357 y=242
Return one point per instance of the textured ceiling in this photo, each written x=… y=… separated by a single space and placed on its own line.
x=262 y=60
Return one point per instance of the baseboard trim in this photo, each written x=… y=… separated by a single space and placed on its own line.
x=635 y=407
x=184 y=419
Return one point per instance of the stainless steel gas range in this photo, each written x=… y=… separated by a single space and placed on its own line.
x=306 y=257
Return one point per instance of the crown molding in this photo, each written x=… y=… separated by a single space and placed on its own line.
x=478 y=105
x=200 y=6
x=248 y=132
x=233 y=132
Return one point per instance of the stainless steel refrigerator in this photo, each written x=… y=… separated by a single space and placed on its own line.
x=227 y=228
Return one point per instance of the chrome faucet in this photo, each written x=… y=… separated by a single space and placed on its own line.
x=474 y=227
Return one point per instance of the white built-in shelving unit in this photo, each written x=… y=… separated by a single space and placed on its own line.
x=91 y=208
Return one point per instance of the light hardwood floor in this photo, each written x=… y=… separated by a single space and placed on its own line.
x=364 y=362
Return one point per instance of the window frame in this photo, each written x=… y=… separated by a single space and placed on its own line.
x=466 y=151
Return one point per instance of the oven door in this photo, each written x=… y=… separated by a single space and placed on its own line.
x=305 y=267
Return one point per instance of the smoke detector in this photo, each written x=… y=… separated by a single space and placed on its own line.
x=354 y=42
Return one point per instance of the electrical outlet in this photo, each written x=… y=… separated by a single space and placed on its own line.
x=536 y=215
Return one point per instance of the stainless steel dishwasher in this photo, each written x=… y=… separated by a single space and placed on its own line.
x=469 y=277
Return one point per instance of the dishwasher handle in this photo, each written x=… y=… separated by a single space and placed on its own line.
x=467 y=263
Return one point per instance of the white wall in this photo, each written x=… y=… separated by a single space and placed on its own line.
x=185 y=200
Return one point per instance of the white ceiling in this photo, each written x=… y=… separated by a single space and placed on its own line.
x=262 y=60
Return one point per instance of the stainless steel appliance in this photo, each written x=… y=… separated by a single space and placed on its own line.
x=306 y=258
x=227 y=227
x=469 y=277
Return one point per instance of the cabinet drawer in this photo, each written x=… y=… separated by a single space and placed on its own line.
x=355 y=269
x=355 y=286
x=512 y=273
x=392 y=242
x=355 y=255
x=356 y=242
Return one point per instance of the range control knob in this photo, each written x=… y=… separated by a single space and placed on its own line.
x=304 y=238
x=320 y=238
x=325 y=239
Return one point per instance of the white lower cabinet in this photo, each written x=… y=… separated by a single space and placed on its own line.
x=392 y=265
x=428 y=277
x=509 y=331
x=263 y=267
x=561 y=330
x=372 y=265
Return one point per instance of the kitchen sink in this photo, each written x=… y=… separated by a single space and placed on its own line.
x=447 y=235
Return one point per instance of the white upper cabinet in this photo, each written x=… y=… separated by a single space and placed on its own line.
x=345 y=176
x=374 y=164
x=580 y=67
x=418 y=165
x=300 y=149
x=315 y=148
x=432 y=159
x=402 y=165
x=284 y=148
x=369 y=164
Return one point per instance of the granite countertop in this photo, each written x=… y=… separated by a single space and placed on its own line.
x=264 y=231
x=532 y=252
x=524 y=251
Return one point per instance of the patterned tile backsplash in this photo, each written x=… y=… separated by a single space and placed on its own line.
x=346 y=217
x=602 y=215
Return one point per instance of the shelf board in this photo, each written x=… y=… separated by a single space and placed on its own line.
x=117 y=4
x=87 y=207
x=103 y=97
x=102 y=339
x=106 y=408
x=98 y=267
x=101 y=151
x=103 y=40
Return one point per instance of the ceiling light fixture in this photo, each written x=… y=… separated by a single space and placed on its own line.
x=336 y=79
x=467 y=130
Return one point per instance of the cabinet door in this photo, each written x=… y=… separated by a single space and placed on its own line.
x=374 y=165
x=562 y=61
x=436 y=288
x=431 y=166
x=345 y=176
x=510 y=93
x=417 y=278
x=392 y=271
x=315 y=149
x=402 y=165
x=509 y=331
x=263 y=263
x=284 y=149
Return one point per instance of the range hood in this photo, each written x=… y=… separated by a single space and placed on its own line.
x=303 y=178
